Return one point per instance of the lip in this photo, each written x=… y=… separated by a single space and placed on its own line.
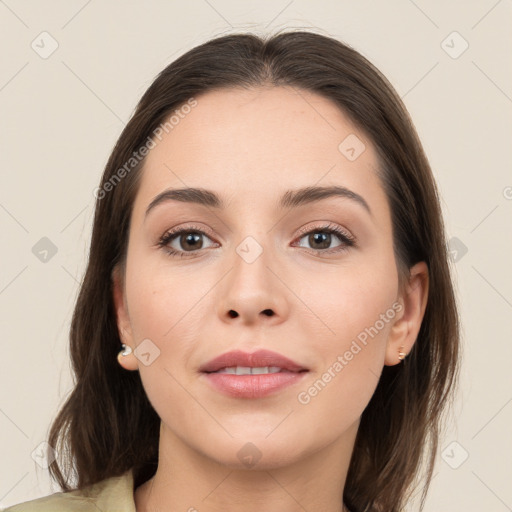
x=254 y=359
x=252 y=386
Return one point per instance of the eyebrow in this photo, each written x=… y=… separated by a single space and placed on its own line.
x=290 y=199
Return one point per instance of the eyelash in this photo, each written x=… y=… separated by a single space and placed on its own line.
x=346 y=239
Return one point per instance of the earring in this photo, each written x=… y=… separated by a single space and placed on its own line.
x=401 y=355
x=125 y=350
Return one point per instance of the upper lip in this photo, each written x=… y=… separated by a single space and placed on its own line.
x=260 y=358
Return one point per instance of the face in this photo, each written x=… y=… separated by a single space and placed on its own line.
x=315 y=281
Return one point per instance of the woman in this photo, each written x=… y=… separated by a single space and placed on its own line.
x=268 y=252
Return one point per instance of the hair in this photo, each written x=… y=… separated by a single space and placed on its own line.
x=107 y=425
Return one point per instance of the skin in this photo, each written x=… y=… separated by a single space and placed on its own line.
x=250 y=146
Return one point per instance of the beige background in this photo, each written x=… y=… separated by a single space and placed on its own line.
x=61 y=115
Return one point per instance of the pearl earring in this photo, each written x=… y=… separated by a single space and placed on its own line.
x=125 y=350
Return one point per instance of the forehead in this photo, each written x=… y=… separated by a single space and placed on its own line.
x=252 y=143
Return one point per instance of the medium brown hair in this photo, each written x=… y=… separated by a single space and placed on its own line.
x=107 y=425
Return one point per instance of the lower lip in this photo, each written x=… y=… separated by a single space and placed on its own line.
x=252 y=386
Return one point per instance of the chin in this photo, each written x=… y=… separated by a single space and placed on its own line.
x=257 y=452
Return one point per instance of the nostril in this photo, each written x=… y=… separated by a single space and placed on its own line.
x=268 y=312
x=233 y=314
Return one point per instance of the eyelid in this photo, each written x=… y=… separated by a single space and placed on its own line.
x=329 y=226
x=302 y=231
x=190 y=227
x=172 y=233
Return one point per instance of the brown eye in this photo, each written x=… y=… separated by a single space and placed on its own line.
x=321 y=239
x=191 y=240
x=183 y=241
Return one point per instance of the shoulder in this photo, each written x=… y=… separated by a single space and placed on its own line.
x=58 y=502
x=115 y=491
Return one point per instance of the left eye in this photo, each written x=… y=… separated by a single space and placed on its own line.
x=320 y=239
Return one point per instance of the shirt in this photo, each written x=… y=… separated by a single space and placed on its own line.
x=115 y=494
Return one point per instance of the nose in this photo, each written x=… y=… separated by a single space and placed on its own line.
x=252 y=292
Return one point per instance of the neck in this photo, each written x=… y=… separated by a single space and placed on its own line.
x=187 y=480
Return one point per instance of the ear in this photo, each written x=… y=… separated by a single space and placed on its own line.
x=412 y=304
x=128 y=362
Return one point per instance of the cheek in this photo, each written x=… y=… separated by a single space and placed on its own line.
x=169 y=306
x=161 y=298
x=167 y=309
x=353 y=315
x=345 y=303
x=351 y=355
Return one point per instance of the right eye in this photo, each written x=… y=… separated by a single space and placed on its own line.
x=187 y=238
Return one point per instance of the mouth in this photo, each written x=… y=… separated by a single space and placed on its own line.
x=237 y=362
x=252 y=375
x=257 y=370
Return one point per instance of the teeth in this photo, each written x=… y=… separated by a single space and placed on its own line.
x=247 y=370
